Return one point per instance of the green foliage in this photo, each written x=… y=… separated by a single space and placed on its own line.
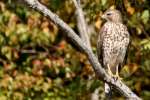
x=37 y=63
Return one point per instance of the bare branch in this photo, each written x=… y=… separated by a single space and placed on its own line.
x=81 y=23
x=100 y=72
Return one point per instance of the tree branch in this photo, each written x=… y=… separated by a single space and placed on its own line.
x=81 y=23
x=100 y=72
x=84 y=34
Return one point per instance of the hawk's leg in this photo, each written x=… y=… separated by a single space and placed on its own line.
x=109 y=71
x=116 y=76
x=117 y=73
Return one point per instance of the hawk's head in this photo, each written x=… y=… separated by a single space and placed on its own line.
x=112 y=15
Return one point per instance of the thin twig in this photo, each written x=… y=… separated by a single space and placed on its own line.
x=100 y=72
x=81 y=23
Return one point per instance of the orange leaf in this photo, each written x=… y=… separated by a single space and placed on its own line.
x=130 y=10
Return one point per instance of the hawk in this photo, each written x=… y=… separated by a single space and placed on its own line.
x=112 y=44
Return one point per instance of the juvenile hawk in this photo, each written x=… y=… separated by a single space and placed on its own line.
x=113 y=41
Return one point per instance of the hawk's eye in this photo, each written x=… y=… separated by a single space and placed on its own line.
x=108 y=14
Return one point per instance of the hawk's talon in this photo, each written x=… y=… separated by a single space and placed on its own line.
x=117 y=77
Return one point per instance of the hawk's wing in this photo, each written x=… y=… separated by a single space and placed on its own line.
x=128 y=46
x=99 y=44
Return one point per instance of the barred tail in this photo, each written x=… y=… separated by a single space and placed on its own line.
x=108 y=91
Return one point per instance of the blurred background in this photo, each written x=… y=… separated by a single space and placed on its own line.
x=38 y=62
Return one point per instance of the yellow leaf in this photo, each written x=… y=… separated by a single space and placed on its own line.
x=112 y=7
